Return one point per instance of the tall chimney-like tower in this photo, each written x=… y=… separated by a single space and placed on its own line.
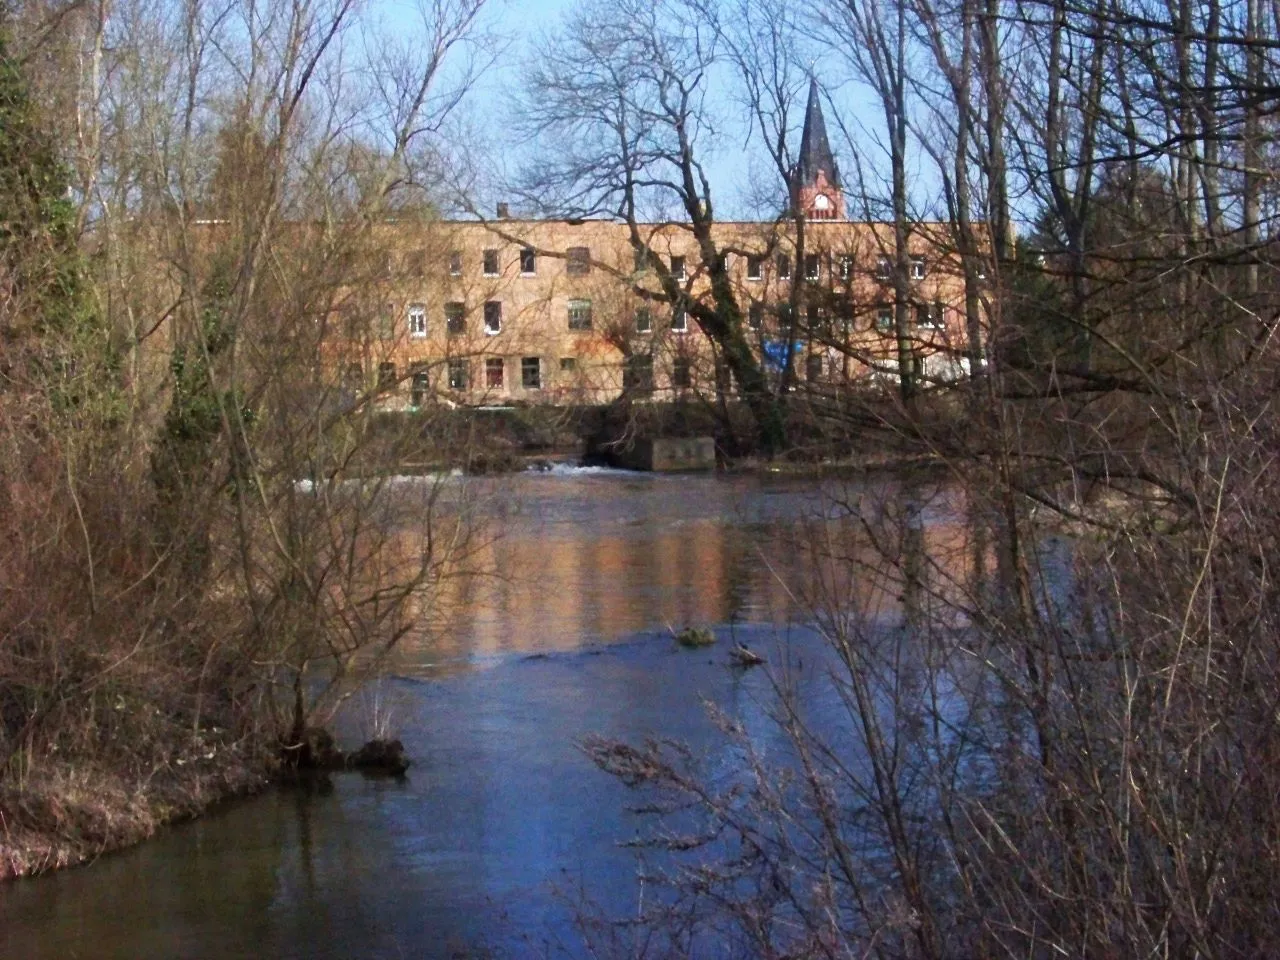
x=816 y=183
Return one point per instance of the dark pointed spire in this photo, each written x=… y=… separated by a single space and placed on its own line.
x=815 y=150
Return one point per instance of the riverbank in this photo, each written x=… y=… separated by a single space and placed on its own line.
x=90 y=793
x=66 y=814
x=73 y=812
x=495 y=440
x=468 y=852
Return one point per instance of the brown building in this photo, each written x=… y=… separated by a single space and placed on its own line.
x=564 y=311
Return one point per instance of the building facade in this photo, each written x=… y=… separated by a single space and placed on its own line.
x=569 y=311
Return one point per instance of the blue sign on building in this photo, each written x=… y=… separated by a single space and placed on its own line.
x=776 y=355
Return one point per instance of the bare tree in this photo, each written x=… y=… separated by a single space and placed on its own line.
x=1064 y=745
x=630 y=128
x=874 y=39
x=236 y=560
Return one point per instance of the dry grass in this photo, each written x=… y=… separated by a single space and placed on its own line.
x=66 y=814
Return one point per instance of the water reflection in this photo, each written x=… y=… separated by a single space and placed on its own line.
x=563 y=562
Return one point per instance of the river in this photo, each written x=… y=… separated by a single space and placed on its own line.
x=503 y=828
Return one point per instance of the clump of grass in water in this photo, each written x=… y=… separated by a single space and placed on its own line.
x=694 y=637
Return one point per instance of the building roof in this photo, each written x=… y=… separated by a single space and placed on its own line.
x=815 y=149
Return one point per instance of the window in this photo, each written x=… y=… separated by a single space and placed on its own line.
x=577 y=261
x=679 y=320
x=846 y=267
x=813 y=367
x=929 y=315
x=681 y=373
x=386 y=375
x=812 y=266
x=753 y=267
x=641 y=259
x=416 y=263
x=493 y=317
x=815 y=319
x=455 y=263
x=568 y=364
x=419 y=387
x=531 y=373
x=884 y=319
x=784 y=267
x=417 y=320
x=644 y=320
x=884 y=268
x=917 y=268
x=755 y=316
x=528 y=262
x=353 y=377
x=491 y=263
x=493 y=373
x=351 y=321
x=579 y=314
x=459 y=373
x=677 y=267
x=386 y=322
x=637 y=374
x=455 y=319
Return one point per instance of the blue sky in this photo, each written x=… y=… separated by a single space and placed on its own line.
x=732 y=167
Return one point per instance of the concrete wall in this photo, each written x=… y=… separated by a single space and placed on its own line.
x=670 y=454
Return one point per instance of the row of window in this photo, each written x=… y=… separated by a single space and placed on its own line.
x=579 y=315
x=455 y=318
x=926 y=315
x=578 y=263
x=459 y=375
x=917 y=270
x=637 y=374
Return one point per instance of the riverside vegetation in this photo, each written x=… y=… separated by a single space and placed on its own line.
x=177 y=611
x=1059 y=751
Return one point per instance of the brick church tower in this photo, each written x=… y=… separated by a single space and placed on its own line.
x=816 y=183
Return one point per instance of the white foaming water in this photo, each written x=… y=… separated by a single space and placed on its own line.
x=577 y=470
x=307 y=485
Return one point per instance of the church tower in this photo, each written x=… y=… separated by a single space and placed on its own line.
x=816 y=182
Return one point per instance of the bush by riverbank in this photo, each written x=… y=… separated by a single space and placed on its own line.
x=872 y=432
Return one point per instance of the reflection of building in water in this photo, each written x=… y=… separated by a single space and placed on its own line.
x=557 y=586
x=544 y=592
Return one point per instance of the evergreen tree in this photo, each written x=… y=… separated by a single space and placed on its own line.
x=55 y=339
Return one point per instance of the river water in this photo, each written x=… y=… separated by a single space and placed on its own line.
x=503 y=832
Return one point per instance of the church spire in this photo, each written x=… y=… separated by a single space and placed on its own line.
x=817 y=178
x=815 y=149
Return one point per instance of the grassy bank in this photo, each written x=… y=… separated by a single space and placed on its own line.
x=67 y=813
